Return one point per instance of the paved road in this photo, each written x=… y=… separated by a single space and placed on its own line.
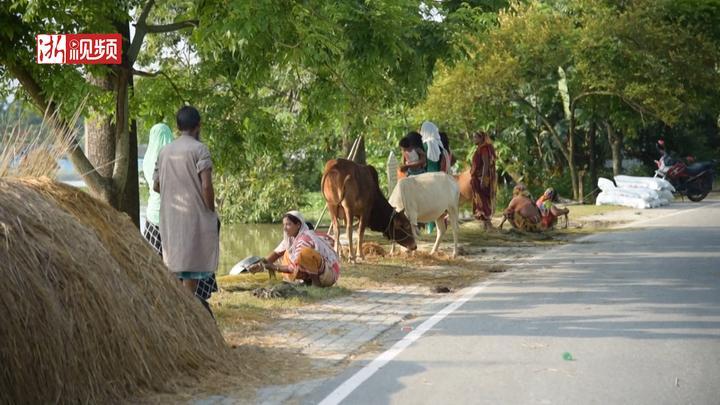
x=638 y=310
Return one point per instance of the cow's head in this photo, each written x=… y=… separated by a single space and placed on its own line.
x=400 y=230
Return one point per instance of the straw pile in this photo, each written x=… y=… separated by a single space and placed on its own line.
x=91 y=313
x=372 y=249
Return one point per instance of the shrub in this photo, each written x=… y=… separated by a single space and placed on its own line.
x=263 y=193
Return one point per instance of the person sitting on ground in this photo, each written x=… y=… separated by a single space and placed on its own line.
x=305 y=255
x=549 y=211
x=413 y=155
x=521 y=212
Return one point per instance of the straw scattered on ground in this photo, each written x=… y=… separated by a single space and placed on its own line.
x=241 y=314
x=413 y=268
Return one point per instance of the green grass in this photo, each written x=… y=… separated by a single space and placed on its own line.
x=579 y=211
x=237 y=292
x=314 y=205
x=144 y=193
x=238 y=311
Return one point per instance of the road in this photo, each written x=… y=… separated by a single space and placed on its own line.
x=636 y=312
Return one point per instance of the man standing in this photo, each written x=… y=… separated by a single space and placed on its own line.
x=188 y=222
x=483 y=178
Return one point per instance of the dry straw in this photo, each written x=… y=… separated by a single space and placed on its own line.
x=91 y=313
x=27 y=151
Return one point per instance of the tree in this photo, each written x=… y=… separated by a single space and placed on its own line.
x=108 y=164
x=285 y=85
x=651 y=60
x=557 y=61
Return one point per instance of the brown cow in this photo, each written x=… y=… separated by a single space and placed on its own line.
x=354 y=190
x=463 y=180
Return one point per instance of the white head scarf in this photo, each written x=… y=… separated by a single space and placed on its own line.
x=288 y=240
x=321 y=246
x=431 y=137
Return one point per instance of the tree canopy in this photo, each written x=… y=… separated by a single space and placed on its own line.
x=285 y=85
x=557 y=69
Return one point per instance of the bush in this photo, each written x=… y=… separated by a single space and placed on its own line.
x=503 y=197
x=263 y=193
x=640 y=171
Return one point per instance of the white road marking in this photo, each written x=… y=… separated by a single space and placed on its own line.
x=347 y=387
x=634 y=224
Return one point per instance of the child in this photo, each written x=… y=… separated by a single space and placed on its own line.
x=413 y=155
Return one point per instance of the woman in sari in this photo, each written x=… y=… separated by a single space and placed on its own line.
x=522 y=212
x=549 y=211
x=305 y=255
x=483 y=179
x=436 y=156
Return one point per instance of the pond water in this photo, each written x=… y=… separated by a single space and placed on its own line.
x=238 y=241
x=67 y=174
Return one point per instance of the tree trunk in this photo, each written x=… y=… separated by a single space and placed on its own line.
x=100 y=145
x=111 y=150
x=125 y=173
x=571 y=157
x=615 y=140
x=537 y=136
x=130 y=200
x=99 y=137
x=573 y=177
x=592 y=161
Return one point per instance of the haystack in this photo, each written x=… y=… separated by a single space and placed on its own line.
x=91 y=313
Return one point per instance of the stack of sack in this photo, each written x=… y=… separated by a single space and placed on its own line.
x=635 y=192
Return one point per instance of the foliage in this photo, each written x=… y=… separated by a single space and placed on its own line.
x=263 y=193
x=283 y=86
x=548 y=72
x=293 y=81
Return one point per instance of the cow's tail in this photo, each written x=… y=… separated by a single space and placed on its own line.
x=342 y=189
x=342 y=192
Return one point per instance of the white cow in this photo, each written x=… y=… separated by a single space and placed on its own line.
x=426 y=198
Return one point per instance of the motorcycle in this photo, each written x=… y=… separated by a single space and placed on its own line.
x=694 y=180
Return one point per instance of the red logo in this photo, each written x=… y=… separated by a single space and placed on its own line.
x=79 y=49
